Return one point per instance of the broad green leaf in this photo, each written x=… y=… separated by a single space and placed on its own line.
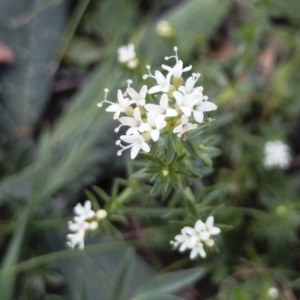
x=157 y=296
x=26 y=85
x=123 y=277
x=174 y=281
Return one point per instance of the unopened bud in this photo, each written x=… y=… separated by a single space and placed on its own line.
x=146 y=136
x=101 y=214
x=273 y=293
x=165 y=172
x=93 y=225
x=129 y=111
x=210 y=242
x=177 y=81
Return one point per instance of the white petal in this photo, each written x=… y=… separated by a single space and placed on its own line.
x=132 y=130
x=137 y=114
x=129 y=121
x=145 y=147
x=135 y=150
x=154 y=134
x=187 y=69
x=153 y=108
x=178 y=129
x=164 y=101
x=215 y=231
x=171 y=112
x=155 y=89
x=210 y=221
x=113 y=108
x=199 y=225
x=198 y=115
x=133 y=94
x=160 y=78
x=178 y=97
x=193 y=254
x=143 y=92
x=129 y=138
x=207 y=106
x=186 y=110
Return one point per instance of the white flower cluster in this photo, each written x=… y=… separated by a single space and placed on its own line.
x=195 y=238
x=85 y=219
x=127 y=56
x=276 y=154
x=180 y=109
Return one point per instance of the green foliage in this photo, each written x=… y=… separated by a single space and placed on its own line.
x=247 y=53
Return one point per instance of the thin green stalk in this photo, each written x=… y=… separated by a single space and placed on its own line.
x=7 y=280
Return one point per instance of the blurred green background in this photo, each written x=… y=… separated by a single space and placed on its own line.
x=56 y=57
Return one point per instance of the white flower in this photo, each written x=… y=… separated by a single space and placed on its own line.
x=194 y=103
x=185 y=103
x=200 y=230
x=76 y=239
x=210 y=228
x=197 y=250
x=164 y=28
x=276 y=154
x=133 y=122
x=84 y=212
x=201 y=106
x=79 y=227
x=163 y=107
x=85 y=219
x=178 y=69
x=127 y=56
x=163 y=83
x=186 y=240
x=117 y=108
x=136 y=142
x=138 y=98
x=188 y=88
x=154 y=125
x=184 y=126
x=196 y=238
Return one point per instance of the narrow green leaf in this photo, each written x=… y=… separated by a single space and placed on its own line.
x=147 y=156
x=7 y=279
x=170 y=150
x=101 y=193
x=158 y=186
x=190 y=148
x=93 y=199
x=206 y=159
x=212 y=196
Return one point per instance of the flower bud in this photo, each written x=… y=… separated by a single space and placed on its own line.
x=146 y=136
x=165 y=172
x=177 y=81
x=101 y=214
x=129 y=111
